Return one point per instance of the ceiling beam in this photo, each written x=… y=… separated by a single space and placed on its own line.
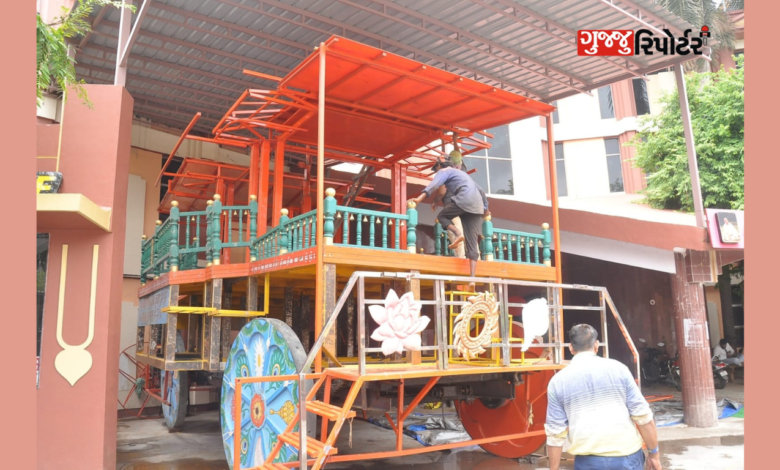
x=491 y=45
x=546 y=30
x=213 y=83
x=204 y=49
x=94 y=25
x=304 y=48
x=345 y=27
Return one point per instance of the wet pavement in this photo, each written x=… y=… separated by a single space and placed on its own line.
x=147 y=445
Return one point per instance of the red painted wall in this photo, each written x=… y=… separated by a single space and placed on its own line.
x=76 y=425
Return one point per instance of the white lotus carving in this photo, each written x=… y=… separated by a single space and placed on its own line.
x=400 y=323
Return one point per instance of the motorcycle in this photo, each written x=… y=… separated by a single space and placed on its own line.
x=720 y=375
x=655 y=370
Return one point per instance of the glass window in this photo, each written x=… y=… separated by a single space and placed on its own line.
x=481 y=175
x=42 y=261
x=605 y=102
x=614 y=165
x=494 y=165
x=560 y=170
x=555 y=117
x=641 y=99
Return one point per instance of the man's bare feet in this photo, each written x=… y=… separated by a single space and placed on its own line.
x=456 y=242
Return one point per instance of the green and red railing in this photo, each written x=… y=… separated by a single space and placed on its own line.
x=235 y=226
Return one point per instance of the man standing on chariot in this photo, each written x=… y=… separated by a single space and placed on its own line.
x=465 y=200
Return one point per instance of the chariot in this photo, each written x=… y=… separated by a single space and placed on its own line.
x=311 y=294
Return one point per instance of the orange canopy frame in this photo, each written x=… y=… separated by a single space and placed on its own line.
x=380 y=108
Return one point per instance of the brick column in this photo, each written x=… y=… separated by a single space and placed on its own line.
x=690 y=316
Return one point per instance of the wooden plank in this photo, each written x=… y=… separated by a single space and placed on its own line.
x=389 y=260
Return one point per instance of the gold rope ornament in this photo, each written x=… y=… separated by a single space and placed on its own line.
x=468 y=346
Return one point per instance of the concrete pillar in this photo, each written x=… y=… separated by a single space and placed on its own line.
x=76 y=424
x=690 y=316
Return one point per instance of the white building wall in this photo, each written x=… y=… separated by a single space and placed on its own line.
x=586 y=168
x=525 y=140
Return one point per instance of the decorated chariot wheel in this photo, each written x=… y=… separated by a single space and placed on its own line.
x=491 y=418
x=263 y=347
x=177 y=384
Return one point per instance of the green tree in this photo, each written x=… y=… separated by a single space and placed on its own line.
x=717 y=104
x=714 y=15
x=55 y=67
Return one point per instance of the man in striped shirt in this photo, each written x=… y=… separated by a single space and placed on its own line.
x=597 y=406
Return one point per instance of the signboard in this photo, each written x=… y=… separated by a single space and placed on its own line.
x=150 y=307
x=727 y=228
x=694 y=334
x=48 y=182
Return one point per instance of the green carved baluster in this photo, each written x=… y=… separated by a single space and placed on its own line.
x=253 y=251
x=371 y=232
x=359 y=228
x=546 y=241
x=487 y=234
x=282 y=242
x=241 y=215
x=156 y=249
x=384 y=232
x=329 y=210
x=144 y=259
x=437 y=234
x=397 y=236
x=345 y=227
x=411 y=227
x=173 y=260
x=536 y=251
x=216 y=232
x=230 y=214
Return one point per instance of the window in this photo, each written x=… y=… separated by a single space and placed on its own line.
x=614 y=165
x=494 y=165
x=560 y=170
x=42 y=261
x=555 y=117
x=605 y=102
x=641 y=99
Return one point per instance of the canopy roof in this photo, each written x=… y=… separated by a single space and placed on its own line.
x=188 y=56
x=378 y=104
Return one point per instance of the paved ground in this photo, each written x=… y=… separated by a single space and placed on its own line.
x=147 y=445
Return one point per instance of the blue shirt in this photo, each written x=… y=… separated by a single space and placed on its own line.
x=461 y=189
x=594 y=402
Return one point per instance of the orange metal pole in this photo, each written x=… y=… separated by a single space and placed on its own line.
x=262 y=188
x=176 y=148
x=278 y=182
x=320 y=293
x=554 y=199
x=555 y=223
x=399 y=428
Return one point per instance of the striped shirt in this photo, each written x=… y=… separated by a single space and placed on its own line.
x=594 y=402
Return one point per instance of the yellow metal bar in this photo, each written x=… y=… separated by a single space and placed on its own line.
x=331 y=357
x=189 y=310
x=238 y=313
